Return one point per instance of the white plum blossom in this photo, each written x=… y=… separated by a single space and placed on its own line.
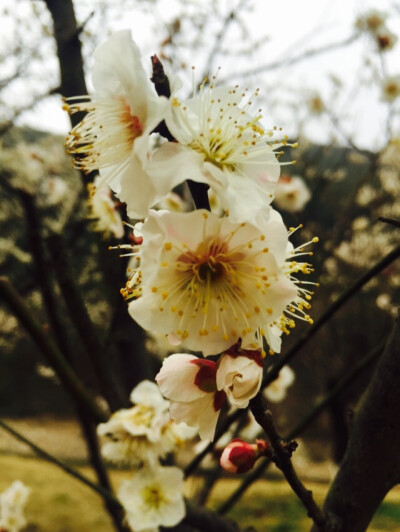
x=391 y=88
x=12 y=504
x=189 y=383
x=153 y=497
x=173 y=202
x=291 y=193
x=52 y=191
x=276 y=391
x=207 y=282
x=144 y=432
x=372 y=21
x=240 y=375
x=385 y=39
x=113 y=137
x=221 y=144
x=103 y=210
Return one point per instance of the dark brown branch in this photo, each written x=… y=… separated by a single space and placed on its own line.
x=44 y=273
x=49 y=349
x=371 y=465
x=66 y=33
x=391 y=221
x=282 y=458
x=303 y=424
x=50 y=458
x=83 y=324
x=273 y=372
x=162 y=86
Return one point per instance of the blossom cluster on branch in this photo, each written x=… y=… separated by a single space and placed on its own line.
x=12 y=505
x=218 y=282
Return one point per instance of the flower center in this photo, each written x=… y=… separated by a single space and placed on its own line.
x=104 y=138
x=210 y=270
x=153 y=496
x=142 y=415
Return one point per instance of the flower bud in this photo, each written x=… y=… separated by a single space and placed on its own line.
x=239 y=456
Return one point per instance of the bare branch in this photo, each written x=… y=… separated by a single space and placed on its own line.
x=56 y=359
x=304 y=423
x=371 y=466
x=281 y=63
x=282 y=458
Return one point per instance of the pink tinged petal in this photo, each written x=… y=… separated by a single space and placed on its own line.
x=219 y=400
x=239 y=456
x=236 y=351
x=176 y=379
x=206 y=376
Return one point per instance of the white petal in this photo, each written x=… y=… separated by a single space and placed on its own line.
x=176 y=379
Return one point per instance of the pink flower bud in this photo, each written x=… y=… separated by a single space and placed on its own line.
x=239 y=456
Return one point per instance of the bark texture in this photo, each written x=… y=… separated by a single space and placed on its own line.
x=371 y=465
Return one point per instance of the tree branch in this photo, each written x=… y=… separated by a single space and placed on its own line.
x=55 y=358
x=280 y=63
x=371 y=465
x=282 y=452
x=274 y=370
x=83 y=324
x=303 y=424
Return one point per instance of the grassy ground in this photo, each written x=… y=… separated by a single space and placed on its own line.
x=59 y=503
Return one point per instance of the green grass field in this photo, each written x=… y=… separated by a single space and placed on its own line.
x=60 y=503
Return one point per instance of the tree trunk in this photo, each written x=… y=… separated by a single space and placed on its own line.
x=371 y=465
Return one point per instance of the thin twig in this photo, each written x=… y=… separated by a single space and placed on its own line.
x=280 y=63
x=304 y=423
x=274 y=370
x=219 y=37
x=391 y=221
x=50 y=458
x=282 y=458
x=44 y=273
x=50 y=350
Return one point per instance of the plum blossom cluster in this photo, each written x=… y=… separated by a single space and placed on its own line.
x=139 y=437
x=103 y=210
x=292 y=193
x=221 y=280
x=12 y=506
x=373 y=22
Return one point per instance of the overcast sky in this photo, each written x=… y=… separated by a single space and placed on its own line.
x=293 y=28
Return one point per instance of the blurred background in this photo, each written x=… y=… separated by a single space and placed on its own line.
x=329 y=76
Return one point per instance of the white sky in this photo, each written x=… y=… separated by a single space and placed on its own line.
x=293 y=28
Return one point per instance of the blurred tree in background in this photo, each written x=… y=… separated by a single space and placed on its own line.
x=56 y=255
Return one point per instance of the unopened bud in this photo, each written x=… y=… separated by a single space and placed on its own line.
x=239 y=456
